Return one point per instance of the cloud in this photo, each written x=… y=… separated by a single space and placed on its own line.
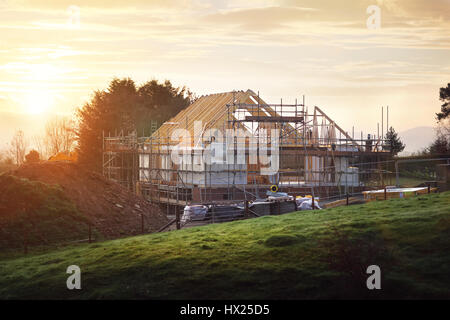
x=108 y=4
x=279 y=47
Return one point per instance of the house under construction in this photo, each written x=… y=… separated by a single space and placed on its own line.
x=233 y=146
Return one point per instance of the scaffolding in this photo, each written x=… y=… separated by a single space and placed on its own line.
x=315 y=155
x=120 y=158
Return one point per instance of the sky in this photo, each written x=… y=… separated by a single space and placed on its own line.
x=54 y=54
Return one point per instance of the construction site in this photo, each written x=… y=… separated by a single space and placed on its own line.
x=305 y=152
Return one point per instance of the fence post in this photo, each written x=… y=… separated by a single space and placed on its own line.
x=313 y=207
x=347 y=199
x=429 y=189
x=177 y=217
x=142 y=222
x=90 y=233
x=246 y=208
x=25 y=245
x=397 y=175
x=385 y=193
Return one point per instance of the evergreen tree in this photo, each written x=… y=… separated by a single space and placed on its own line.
x=394 y=144
x=440 y=146
x=125 y=107
x=444 y=96
x=32 y=156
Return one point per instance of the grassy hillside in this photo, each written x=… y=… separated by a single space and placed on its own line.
x=110 y=208
x=52 y=203
x=36 y=213
x=312 y=254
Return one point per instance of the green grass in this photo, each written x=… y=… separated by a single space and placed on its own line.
x=410 y=181
x=302 y=255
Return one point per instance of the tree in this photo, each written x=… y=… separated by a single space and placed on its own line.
x=6 y=162
x=40 y=145
x=444 y=96
x=440 y=146
x=124 y=107
x=18 y=147
x=395 y=144
x=60 y=135
x=159 y=102
x=32 y=156
x=109 y=111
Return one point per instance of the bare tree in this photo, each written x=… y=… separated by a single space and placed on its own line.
x=443 y=128
x=60 y=135
x=6 y=161
x=18 y=147
x=39 y=143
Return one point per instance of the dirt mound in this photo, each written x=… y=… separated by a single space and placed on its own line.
x=110 y=208
x=36 y=213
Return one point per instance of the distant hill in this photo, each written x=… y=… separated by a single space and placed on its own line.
x=417 y=138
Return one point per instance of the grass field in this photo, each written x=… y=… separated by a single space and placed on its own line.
x=408 y=182
x=307 y=255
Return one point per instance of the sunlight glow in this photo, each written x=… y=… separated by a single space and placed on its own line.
x=37 y=101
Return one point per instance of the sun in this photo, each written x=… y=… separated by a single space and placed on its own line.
x=38 y=101
x=39 y=98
